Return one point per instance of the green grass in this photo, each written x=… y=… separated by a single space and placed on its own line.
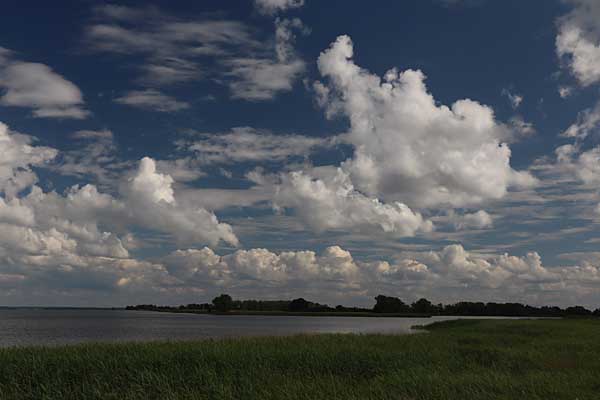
x=469 y=359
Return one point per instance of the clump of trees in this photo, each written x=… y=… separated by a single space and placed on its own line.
x=224 y=303
x=386 y=304
x=204 y=307
x=383 y=304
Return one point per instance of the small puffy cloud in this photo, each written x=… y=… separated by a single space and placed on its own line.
x=587 y=123
x=149 y=184
x=565 y=91
x=203 y=264
x=588 y=166
x=565 y=153
x=477 y=220
x=514 y=99
x=578 y=41
x=37 y=86
x=574 y=164
x=521 y=127
x=152 y=100
x=456 y=263
x=17 y=156
x=270 y=7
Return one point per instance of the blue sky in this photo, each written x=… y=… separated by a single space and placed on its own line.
x=167 y=152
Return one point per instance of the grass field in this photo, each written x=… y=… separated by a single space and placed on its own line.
x=470 y=359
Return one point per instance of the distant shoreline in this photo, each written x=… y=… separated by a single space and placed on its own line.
x=385 y=307
x=296 y=313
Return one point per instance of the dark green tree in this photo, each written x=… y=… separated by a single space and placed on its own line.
x=223 y=303
x=387 y=304
x=423 y=306
x=299 y=305
x=578 y=311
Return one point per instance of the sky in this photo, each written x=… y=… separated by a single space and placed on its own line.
x=166 y=152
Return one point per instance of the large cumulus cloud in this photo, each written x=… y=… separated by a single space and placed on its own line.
x=409 y=148
x=410 y=154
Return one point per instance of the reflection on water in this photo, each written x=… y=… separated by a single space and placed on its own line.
x=23 y=327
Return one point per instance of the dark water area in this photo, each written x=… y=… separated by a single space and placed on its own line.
x=27 y=327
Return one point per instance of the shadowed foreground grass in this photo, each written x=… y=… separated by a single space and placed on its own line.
x=471 y=359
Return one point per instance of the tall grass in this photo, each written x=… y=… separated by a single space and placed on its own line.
x=474 y=359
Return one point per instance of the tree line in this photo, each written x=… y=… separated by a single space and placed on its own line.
x=383 y=304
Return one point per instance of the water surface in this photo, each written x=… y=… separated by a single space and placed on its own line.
x=25 y=327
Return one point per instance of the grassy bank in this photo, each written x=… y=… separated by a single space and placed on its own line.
x=474 y=359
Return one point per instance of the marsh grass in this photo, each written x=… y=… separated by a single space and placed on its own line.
x=469 y=359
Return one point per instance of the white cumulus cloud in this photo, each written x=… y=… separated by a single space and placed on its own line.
x=17 y=156
x=332 y=202
x=37 y=86
x=476 y=220
x=407 y=147
x=578 y=40
x=84 y=226
x=451 y=272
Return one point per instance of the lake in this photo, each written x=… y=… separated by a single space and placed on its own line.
x=25 y=327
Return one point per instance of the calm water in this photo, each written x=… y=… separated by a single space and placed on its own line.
x=22 y=327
